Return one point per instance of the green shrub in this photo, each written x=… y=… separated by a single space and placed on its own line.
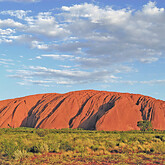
x=44 y=148
x=34 y=149
x=8 y=147
x=53 y=146
x=20 y=144
x=111 y=144
x=65 y=146
x=39 y=148
x=42 y=132
x=144 y=125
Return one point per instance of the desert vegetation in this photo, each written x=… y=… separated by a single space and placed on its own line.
x=144 y=125
x=77 y=146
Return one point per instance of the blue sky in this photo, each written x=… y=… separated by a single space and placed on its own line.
x=57 y=46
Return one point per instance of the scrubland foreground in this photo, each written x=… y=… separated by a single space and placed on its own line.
x=32 y=146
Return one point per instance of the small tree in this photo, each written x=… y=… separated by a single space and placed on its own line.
x=144 y=125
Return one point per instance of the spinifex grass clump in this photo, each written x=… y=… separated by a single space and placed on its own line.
x=70 y=146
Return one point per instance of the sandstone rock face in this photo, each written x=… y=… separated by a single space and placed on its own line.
x=86 y=109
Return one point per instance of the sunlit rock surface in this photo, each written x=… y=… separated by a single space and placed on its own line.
x=86 y=109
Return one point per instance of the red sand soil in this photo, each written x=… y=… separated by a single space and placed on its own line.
x=86 y=109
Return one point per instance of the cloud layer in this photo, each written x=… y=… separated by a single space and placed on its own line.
x=98 y=42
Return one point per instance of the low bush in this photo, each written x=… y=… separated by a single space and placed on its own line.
x=44 y=148
x=65 y=146
x=8 y=148
x=39 y=148
x=53 y=146
x=42 y=132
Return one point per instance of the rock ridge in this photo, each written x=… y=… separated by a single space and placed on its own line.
x=87 y=109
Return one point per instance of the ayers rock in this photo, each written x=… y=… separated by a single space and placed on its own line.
x=86 y=109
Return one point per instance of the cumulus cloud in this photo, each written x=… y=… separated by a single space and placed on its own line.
x=151 y=9
x=45 y=24
x=10 y=23
x=103 y=35
x=98 y=40
x=115 y=35
x=112 y=35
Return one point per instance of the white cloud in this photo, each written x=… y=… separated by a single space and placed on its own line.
x=107 y=36
x=16 y=13
x=149 y=60
x=35 y=82
x=6 y=31
x=45 y=24
x=25 y=39
x=99 y=41
x=38 y=57
x=56 y=76
x=57 y=56
x=65 y=66
x=10 y=23
x=151 y=9
x=46 y=76
x=96 y=14
x=101 y=35
x=38 y=45
x=5 y=35
x=6 y=62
